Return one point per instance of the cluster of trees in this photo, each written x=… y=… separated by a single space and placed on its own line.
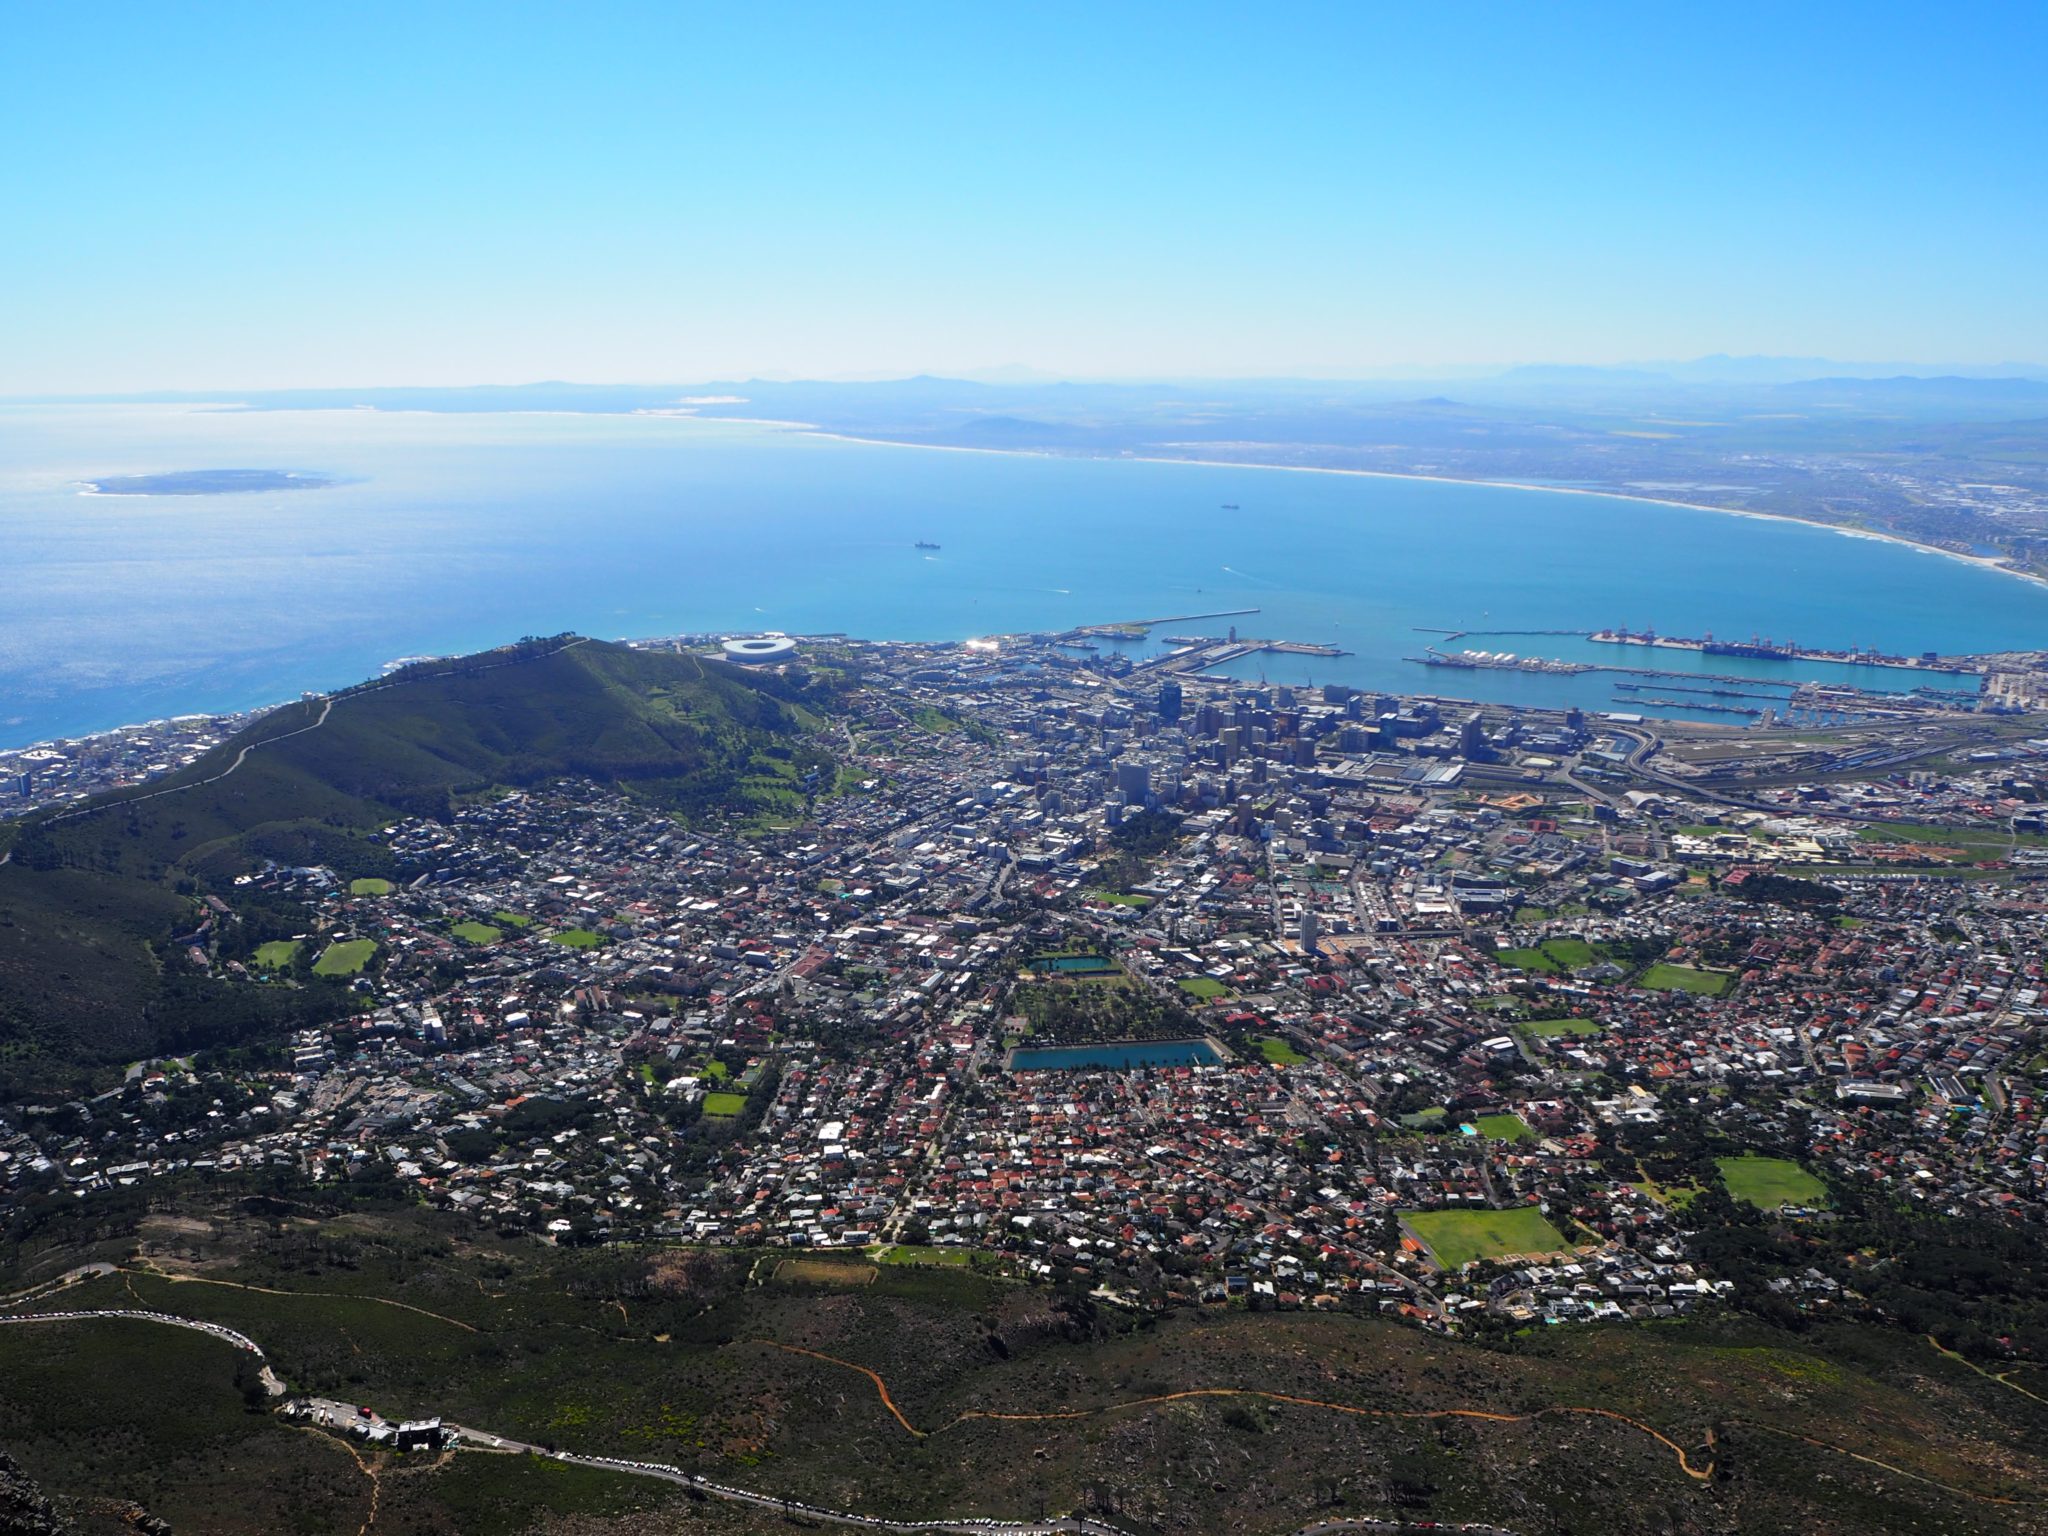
x=1972 y=1282
x=1078 y=1012
x=1787 y=891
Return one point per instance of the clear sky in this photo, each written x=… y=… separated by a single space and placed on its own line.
x=221 y=196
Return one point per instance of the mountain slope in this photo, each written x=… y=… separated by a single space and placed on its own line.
x=91 y=898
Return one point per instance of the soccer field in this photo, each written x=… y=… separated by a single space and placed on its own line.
x=1459 y=1237
x=1769 y=1183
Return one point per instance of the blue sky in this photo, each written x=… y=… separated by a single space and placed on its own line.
x=221 y=196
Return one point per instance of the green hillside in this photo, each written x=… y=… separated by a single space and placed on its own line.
x=90 y=899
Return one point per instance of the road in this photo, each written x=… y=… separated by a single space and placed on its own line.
x=327 y=703
x=69 y=1277
x=339 y=1417
x=241 y=757
x=271 y=1381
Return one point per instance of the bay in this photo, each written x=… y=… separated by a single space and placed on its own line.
x=454 y=532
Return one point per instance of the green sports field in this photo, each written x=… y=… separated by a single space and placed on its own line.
x=1551 y=955
x=1553 y=1027
x=1770 y=1183
x=1684 y=978
x=369 y=887
x=1459 y=1237
x=346 y=958
x=1504 y=1128
x=917 y=1253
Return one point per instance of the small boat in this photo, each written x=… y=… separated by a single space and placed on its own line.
x=925 y=544
x=1230 y=506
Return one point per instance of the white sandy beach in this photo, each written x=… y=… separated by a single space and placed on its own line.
x=1985 y=562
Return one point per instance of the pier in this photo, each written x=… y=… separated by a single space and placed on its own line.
x=1719 y=693
x=1464 y=634
x=1171 y=618
x=1198 y=659
x=1484 y=661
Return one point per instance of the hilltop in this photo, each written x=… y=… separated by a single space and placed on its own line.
x=91 y=897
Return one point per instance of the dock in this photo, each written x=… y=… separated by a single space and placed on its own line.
x=1199 y=659
x=1171 y=618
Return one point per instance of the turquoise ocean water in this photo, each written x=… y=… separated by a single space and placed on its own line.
x=452 y=532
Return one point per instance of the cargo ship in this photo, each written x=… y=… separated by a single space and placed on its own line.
x=1495 y=661
x=924 y=544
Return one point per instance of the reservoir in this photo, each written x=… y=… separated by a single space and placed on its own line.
x=1115 y=1055
x=1073 y=965
x=435 y=534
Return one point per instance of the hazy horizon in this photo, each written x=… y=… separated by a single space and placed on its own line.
x=1739 y=370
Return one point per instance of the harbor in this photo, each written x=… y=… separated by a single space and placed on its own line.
x=1755 y=648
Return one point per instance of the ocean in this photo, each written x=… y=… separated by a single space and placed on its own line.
x=455 y=532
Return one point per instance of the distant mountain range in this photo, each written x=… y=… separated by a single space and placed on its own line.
x=1015 y=387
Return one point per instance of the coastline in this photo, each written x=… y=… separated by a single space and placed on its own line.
x=1982 y=562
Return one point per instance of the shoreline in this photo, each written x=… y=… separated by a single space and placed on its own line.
x=1982 y=562
x=811 y=430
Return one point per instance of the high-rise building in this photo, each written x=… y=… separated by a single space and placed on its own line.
x=1472 y=737
x=1311 y=930
x=1169 y=699
x=1133 y=780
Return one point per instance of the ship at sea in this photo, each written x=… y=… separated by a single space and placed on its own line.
x=925 y=544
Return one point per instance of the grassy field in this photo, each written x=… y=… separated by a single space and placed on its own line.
x=476 y=933
x=1547 y=1028
x=370 y=887
x=346 y=958
x=1278 y=1051
x=1953 y=837
x=1684 y=978
x=1504 y=1128
x=277 y=954
x=1770 y=1183
x=1550 y=956
x=511 y=920
x=917 y=1253
x=724 y=1105
x=1459 y=1237
x=1203 y=987
x=1121 y=898
x=576 y=938
x=1677 y=1196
